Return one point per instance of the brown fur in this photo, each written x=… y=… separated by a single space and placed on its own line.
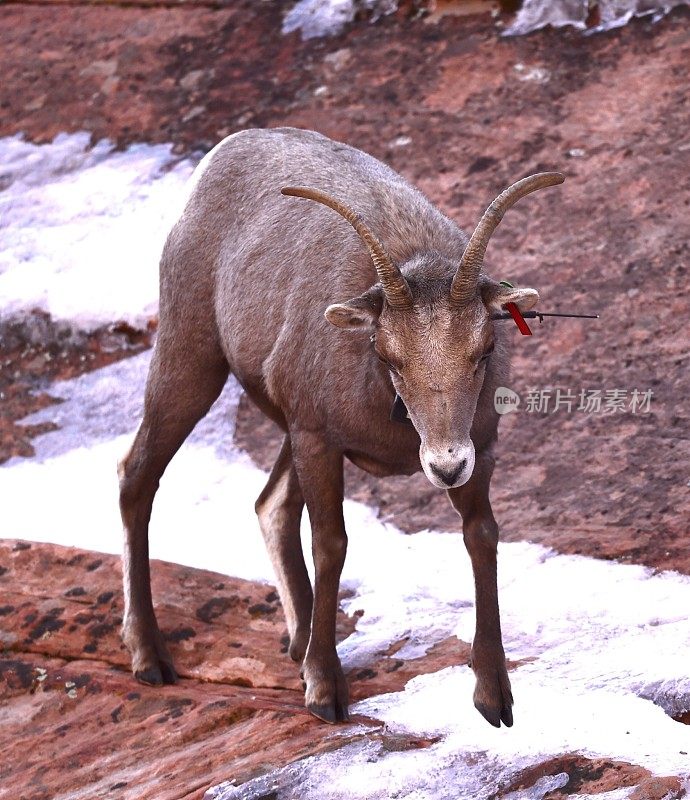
x=246 y=275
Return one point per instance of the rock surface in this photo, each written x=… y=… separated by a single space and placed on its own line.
x=76 y=724
x=596 y=776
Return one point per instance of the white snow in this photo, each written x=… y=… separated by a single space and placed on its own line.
x=316 y=18
x=81 y=227
x=598 y=640
x=535 y=14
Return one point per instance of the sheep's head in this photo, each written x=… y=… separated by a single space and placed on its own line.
x=430 y=323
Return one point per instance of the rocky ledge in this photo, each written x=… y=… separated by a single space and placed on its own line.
x=75 y=724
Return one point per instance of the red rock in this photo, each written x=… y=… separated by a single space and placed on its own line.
x=596 y=776
x=75 y=723
x=659 y=789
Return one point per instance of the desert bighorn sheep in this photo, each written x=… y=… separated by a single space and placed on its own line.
x=245 y=277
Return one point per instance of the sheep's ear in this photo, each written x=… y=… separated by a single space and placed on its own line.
x=496 y=295
x=360 y=313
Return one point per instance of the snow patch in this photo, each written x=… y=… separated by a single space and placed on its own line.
x=314 y=18
x=536 y=14
x=82 y=227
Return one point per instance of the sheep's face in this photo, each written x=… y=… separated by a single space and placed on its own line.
x=437 y=355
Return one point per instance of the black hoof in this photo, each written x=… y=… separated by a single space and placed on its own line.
x=169 y=673
x=151 y=676
x=495 y=717
x=157 y=676
x=329 y=713
x=491 y=715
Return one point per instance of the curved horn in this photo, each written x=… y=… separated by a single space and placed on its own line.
x=465 y=281
x=394 y=284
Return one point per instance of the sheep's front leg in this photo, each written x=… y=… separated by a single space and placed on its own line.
x=320 y=473
x=492 y=695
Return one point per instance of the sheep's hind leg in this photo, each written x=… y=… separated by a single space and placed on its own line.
x=279 y=509
x=181 y=387
x=320 y=472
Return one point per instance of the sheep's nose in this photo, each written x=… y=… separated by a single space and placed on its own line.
x=449 y=476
